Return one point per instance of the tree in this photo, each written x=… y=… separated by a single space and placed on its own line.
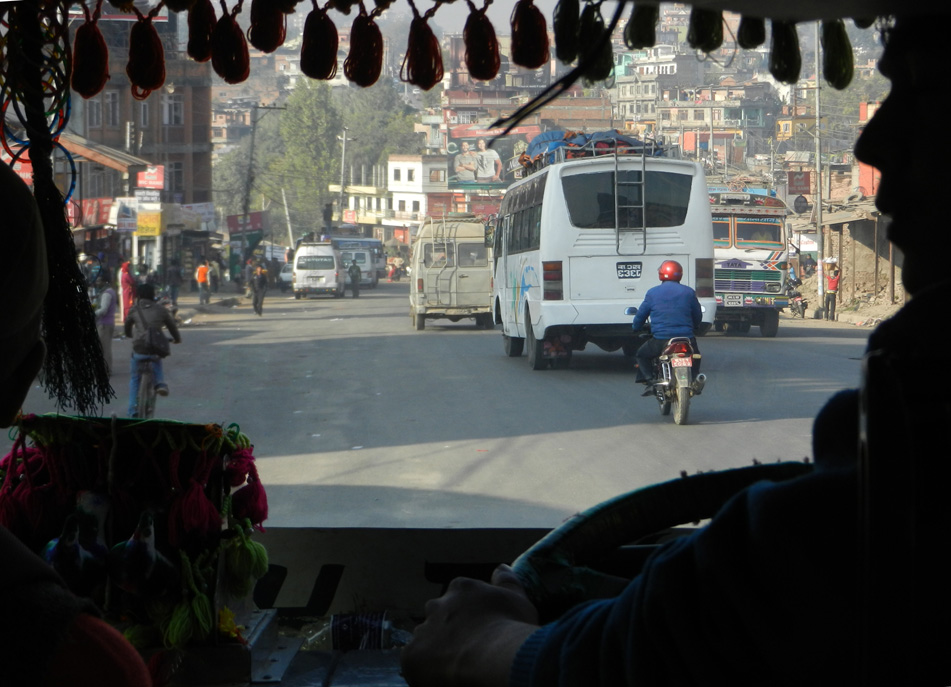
x=230 y=171
x=309 y=127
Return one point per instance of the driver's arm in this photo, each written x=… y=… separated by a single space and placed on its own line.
x=471 y=634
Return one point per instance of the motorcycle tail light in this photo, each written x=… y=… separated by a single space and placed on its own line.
x=552 y=280
x=678 y=348
x=703 y=269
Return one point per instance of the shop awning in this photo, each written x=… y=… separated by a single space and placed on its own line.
x=113 y=158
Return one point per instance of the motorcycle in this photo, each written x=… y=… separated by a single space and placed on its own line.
x=674 y=382
x=797 y=304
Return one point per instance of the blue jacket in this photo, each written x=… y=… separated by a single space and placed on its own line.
x=673 y=308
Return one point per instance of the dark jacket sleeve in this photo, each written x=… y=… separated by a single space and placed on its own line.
x=169 y=321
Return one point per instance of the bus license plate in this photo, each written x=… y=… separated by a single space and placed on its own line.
x=681 y=362
x=733 y=300
x=629 y=270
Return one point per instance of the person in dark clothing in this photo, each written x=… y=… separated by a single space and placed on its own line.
x=144 y=314
x=833 y=578
x=674 y=310
x=258 y=289
x=355 y=275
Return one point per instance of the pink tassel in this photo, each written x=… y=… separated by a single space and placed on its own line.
x=192 y=514
x=251 y=501
x=238 y=467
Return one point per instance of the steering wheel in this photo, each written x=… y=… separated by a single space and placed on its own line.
x=555 y=571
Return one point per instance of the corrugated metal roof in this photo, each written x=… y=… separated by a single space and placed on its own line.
x=113 y=158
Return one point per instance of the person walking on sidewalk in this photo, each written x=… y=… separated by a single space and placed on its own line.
x=258 y=289
x=203 y=278
x=355 y=275
x=832 y=291
x=106 y=307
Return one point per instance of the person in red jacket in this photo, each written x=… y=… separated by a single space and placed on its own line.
x=832 y=293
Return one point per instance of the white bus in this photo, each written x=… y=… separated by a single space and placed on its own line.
x=581 y=239
x=749 y=243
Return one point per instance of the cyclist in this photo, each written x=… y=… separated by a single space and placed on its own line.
x=144 y=314
x=674 y=311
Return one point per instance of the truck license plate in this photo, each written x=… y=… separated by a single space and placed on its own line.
x=629 y=270
x=681 y=362
x=733 y=300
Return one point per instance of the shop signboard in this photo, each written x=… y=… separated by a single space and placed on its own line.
x=150 y=224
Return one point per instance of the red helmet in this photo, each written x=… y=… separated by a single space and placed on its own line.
x=670 y=270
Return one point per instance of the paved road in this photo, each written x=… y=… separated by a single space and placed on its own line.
x=360 y=421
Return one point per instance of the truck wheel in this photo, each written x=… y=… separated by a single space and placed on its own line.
x=770 y=324
x=513 y=345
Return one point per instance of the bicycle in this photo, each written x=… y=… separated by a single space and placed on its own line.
x=145 y=402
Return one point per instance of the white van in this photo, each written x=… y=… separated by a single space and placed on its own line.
x=451 y=271
x=364 y=262
x=318 y=268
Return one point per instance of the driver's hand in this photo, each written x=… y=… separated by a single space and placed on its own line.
x=471 y=634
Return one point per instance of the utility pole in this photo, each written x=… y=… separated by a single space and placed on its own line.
x=819 y=238
x=249 y=181
x=343 y=167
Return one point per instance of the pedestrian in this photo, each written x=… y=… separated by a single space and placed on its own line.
x=202 y=277
x=355 y=275
x=127 y=284
x=832 y=291
x=106 y=306
x=174 y=279
x=214 y=275
x=258 y=289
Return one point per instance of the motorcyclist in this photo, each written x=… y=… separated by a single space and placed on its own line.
x=674 y=310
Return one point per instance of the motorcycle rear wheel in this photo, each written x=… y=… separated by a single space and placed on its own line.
x=682 y=406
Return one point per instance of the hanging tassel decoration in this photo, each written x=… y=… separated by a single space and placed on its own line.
x=599 y=64
x=90 y=56
x=365 y=60
x=318 y=54
x=785 y=60
x=422 y=63
x=837 y=58
x=201 y=28
x=146 y=65
x=529 y=35
x=268 y=25
x=482 y=47
x=752 y=33
x=229 y=56
x=641 y=29
x=705 y=30
x=250 y=501
x=564 y=21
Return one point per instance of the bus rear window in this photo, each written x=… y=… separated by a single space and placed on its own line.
x=590 y=199
x=315 y=262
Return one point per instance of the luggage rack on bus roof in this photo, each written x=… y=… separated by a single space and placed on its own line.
x=553 y=147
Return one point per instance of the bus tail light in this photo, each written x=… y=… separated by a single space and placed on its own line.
x=553 y=285
x=704 y=282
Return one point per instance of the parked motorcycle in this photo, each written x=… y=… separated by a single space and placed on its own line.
x=797 y=304
x=674 y=382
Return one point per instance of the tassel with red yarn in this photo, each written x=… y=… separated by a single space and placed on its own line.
x=365 y=60
x=318 y=54
x=192 y=515
x=201 y=27
x=250 y=501
x=422 y=63
x=268 y=25
x=146 y=66
x=229 y=56
x=90 y=56
x=529 y=35
x=482 y=47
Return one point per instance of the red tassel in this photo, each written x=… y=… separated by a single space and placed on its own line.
x=90 y=57
x=230 y=58
x=201 y=26
x=238 y=466
x=365 y=60
x=318 y=53
x=529 y=35
x=268 y=25
x=251 y=501
x=146 y=66
x=192 y=514
x=482 y=47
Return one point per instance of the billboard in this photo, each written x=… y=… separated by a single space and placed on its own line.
x=483 y=158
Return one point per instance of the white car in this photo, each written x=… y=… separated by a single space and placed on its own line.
x=285 y=278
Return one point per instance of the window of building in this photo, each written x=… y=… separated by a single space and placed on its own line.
x=173 y=109
x=437 y=175
x=396 y=174
x=176 y=179
x=111 y=107
x=402 y=206
x=94 y=113
x=410 y=174
x=144 y=112
x=415 y=206
x=698 y=115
